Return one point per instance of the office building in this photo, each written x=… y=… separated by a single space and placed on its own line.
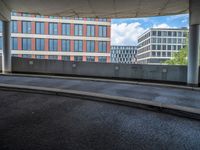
x=60 y=38
x=158 y=45
x=123 y=54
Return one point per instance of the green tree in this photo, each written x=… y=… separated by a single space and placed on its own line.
x=179 y=58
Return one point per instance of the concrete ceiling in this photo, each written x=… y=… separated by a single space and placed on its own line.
x=99 y=8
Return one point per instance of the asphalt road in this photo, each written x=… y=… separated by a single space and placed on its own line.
x=45 y=122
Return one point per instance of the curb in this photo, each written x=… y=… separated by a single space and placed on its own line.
x=106 y=80
x=182 y=111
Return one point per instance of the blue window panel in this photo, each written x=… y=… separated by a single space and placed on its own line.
x=65 y=29
x=39 y=27
x=14 y=26
x=102 y=59
x=66 y=58
x=53 y=57
x=1 y=46
x=0 y=26
x=26 y=43
x=90 y=58
x=39 y=44
x=66 y=45
x=14 y=43
x=40 y=57
x=78 y=58
x=102 y=47
x=91 y=30
x=27 y=56
x=53 y=28
x=78 y=46
x=102 y=19
x=90 y=46
x=53 y=45
x=26 y=26
x=78 y=30
x=102 y=31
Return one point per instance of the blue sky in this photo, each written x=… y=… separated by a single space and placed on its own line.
x=125 y=31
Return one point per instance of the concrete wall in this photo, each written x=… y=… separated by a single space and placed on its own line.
x=133 y=71
x=125 y=71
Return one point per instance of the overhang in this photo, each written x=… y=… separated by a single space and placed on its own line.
x=99 y=8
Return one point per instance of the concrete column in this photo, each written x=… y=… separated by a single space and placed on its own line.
x=6 y=55
x=194 y=47
x=193 y=55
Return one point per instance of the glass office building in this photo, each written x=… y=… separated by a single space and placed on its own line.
x=158 y=45
x=124 y=54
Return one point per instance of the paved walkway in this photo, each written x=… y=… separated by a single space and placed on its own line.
x=158 y=94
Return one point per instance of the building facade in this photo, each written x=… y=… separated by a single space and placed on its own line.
x=124 y=54
x=157 y=45
x=61 y=38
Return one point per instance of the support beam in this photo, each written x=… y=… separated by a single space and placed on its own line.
x=193 y=56
x=6 y=55
x=194 y=44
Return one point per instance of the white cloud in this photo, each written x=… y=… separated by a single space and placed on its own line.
x=163 y=25
x=125 y=34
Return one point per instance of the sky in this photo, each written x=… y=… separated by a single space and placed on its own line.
x=126 y=31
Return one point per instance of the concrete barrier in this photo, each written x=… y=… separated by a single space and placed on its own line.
x=163 y=73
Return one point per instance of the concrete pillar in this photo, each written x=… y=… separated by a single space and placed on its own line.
x=194 y=47
x=6 y=55
x=193 y=56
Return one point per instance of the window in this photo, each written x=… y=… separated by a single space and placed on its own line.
x=102 y=31
x=1 y=46
x=65 y=29
x=90 y=58
x=153 y=47
x=66 y=58
x=164 y=47
x=102 y=19
x=153 y=53
x=169 y=47
x=179 y=34
x=90 y=19
x=169 y=33
x=90 y=30
x=39 y=44
x=39 y=27
x=26 y=14
x=53 y=28
x=26 y=27
x=159 y=33
x=78 y=46
x=158 y=47
x=14 y=26
x=78 y=30
x=26 y=56
x=26 y=43
x=53 y=45
x=102 y=59
x=66 y=45
x=78 y=58
x=53 y=57
x=39 y=57
x=154 y=33
x=102 y=47
x=14 y=44
x=0 y=26
x=90 y=46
